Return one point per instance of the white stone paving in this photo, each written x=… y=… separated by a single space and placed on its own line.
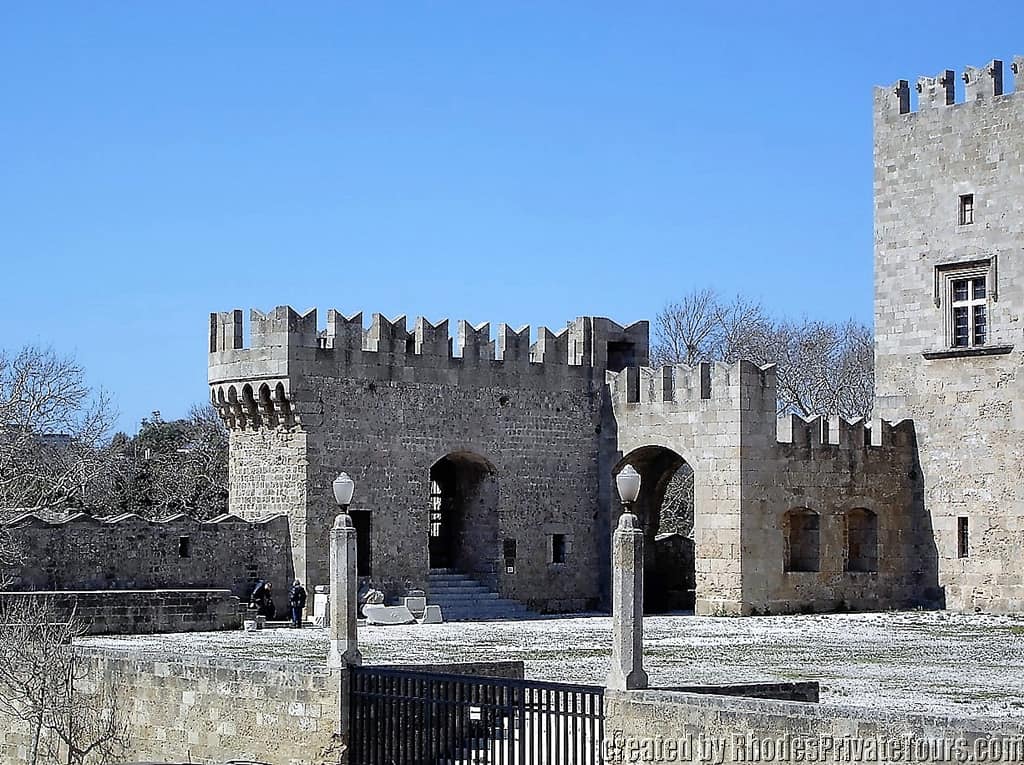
x=932 y=662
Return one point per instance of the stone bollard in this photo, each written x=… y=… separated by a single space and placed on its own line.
x=344 y=605
x=627 y=671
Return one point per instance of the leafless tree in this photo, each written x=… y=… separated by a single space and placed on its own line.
x=10 y=556
x=43 y=682
x=52 y=430
x=703 y=326
x=821 y=367
x=824 y=368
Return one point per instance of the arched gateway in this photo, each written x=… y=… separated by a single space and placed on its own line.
x=463 y=524
x=667 y=514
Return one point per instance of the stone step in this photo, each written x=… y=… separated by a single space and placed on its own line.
x=447 y=578
x=463 y=598
x=469 y=602
x=497 y=609
x=482 y=616
x=461 y=589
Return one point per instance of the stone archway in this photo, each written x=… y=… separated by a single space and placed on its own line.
x=463 y=515
x=667 y=515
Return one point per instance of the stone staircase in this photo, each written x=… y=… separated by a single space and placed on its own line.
x=464 y=599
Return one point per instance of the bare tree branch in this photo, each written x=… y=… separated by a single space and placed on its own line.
x=41 y=679
x=822 y=367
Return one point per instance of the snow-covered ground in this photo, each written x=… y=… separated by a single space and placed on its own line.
x=926 y=661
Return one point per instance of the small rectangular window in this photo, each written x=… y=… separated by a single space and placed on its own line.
x=962 y=538
x=966 y=209
x=184 y=547
x=508 y=550
x=558 y=551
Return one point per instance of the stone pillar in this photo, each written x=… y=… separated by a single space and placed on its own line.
x=344 y=608
x=627 y=606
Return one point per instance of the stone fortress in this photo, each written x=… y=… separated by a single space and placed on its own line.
x=496 y=459
x=491 y=460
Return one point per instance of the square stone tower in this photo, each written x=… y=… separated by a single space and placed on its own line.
x=949 y=297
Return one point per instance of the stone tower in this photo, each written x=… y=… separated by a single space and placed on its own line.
x=486 y=459
x=949 y=297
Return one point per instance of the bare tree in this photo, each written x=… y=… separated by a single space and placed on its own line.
x=41 y=679
x=821 y=367
x=52 y=430
x=824 y=368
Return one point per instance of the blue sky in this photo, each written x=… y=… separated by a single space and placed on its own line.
x=516 y=162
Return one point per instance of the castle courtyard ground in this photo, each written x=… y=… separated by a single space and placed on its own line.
x=924 y=661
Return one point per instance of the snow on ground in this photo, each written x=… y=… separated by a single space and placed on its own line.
x=922 y=661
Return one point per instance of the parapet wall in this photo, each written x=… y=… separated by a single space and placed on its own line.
x=128 y=552
x=259 y=384
x=743 y=387
x=980 y=83
x=663 y=726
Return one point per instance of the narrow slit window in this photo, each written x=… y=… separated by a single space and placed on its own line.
x=184 y=547
x=509 y=554
x=966 y=209
x=963 y=538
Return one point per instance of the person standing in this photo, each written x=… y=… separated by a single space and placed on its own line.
x=297 y=601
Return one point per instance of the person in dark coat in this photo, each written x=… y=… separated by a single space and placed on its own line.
x=297 y=601
x=263 y=599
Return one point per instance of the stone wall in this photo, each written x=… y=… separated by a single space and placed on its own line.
x=664 y=726
x=750 y=469
x=131 y=553
x=128 y=612
x=210 y=710
x=966 y=402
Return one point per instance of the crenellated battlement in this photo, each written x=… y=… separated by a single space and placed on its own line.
x=284 y=334
x=684 y=384
x=36 y=519
x=267 y=382
x=982 y=83
x=821 y=431
x=708 y=389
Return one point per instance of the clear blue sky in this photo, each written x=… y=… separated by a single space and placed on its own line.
x=517 y=162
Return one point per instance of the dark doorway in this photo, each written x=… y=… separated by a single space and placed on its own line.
x=666 y=512
x=362 y=521
x=463 y=522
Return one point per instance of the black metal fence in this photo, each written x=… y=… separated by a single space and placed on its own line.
x=403 y=717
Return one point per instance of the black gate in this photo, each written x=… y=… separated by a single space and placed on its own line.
x=402 y=717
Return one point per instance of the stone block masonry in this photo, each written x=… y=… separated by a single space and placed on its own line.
x=949 y=308
x=665 y=726
x=756 y=475
x=210 y=710
x=128 y=552
x=123 y=612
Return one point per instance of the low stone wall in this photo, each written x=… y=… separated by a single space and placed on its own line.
x=209 y=710
x=668 y=726
x=126 y=552
x=112 y=612
x=807 y=692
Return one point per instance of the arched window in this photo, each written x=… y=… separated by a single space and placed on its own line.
x=802 y=529
x=861 y=540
